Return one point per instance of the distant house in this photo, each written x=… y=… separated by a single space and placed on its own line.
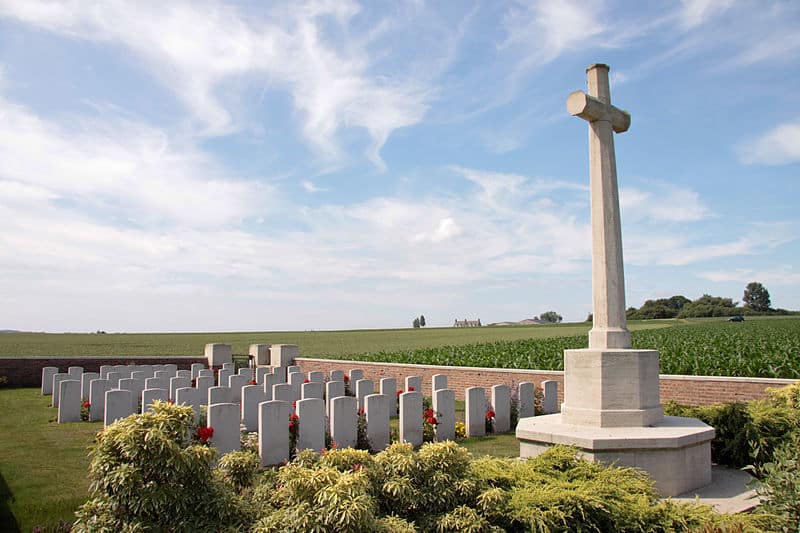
x=467 y=323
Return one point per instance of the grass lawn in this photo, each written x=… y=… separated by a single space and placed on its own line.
x=43 y=465
x=312 y=343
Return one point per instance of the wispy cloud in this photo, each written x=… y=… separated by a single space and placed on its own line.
x=310 y=187
x=778 y=146
x=195 y=48
x=662 y=203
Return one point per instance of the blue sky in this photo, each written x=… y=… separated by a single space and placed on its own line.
x=208 y=166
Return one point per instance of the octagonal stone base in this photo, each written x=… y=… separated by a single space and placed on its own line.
x=676 y=452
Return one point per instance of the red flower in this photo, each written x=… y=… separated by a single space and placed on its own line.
x=346 y=378
x=361 y=411
x=411 y=389
x=86 y=405
x=205 y=433
x=432 y=420
x=306 y=380
x=292 y=427
x=293 y=417
x=428 y=413
x=252 y=382
x=334 y=445
x=489 y=414
x=194 y=382
x=399 y=392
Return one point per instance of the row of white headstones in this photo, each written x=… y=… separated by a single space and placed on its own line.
x=262 y=400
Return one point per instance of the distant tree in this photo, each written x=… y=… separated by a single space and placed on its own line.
x=660 y=308
x=756 y=297
x=708 y=305
x=551 y=316
x=422 y=321
x=590 y=318
x=416 y=322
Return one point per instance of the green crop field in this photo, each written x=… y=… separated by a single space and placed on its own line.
x=312 y=343
x=755 y=348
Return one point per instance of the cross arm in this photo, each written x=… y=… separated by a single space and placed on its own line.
x=591 y=109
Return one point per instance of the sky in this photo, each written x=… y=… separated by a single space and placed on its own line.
x=328 y=164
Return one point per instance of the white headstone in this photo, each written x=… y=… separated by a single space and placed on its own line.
x=273 y=432
x=105 y=369
x=148 y=370
x=151 y=395
x=313 y=390
x=162 y=374
x=224 y=419
x=140 y=374
x=47 y=379
x=205 y=372
x=444 y=407
x=86 y=378
x=196 y=368
x=364 y=387
x=475 y=412
x=192 y=397
x=218 y=354
x=413 y=384
x=344 y=421
x=69 y=403
x=130 y=384
x=526 y=400
x=118 y=405
x=411 y=418
x=236 y=383
x=222 y=377
x=501 y=401
x=337 y=375
x=355 y=375
x=202 y=384
x=113 y=379
x=178 y=383
x=438 y=381
x=333 y=389
x=316 y=376
x=97 y=399
x=280 y=373
x=157 y=383
x=550 y=397
x=58 y=377
x=247 y=372
x=269 y=381
x=283 y=392
x=261 y=372
x=376 y=409
x=311 y=433
x=219 y=395
x=293 y=368
x=230 y=366
x=184 y=374
x=252 y=397
x=388 y=387
x=296 y=380
x=172 y=369
x=75 y=372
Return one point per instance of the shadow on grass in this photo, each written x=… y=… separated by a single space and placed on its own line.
x=8 y=521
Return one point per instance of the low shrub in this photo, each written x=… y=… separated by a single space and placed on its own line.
x=747 y=433
x=780 y=488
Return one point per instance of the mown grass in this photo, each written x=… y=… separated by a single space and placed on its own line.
x=43 y=465
x=312 y=343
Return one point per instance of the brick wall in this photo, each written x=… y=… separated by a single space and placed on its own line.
x=689 y=390
x=27 y=371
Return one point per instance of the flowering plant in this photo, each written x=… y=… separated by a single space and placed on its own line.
x=252 y=382
x=489 y=421
x=461 y=430
x=85 y=410
x=294 y=426
x=429 y=423
x=204 y=434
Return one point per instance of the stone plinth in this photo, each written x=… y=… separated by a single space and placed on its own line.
x=611 y=388
x=218 y=354
x=676 y=452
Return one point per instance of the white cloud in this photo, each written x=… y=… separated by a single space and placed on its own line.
x=778 y=146
x=310 y=187
x=194 y=48
x=664 y=203
x=696 y=12
x=786 y=276
x=122 y=169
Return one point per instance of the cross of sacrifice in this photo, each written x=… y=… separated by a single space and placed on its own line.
x=608 y=278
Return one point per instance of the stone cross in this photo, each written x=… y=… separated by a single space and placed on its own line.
x=608 y=280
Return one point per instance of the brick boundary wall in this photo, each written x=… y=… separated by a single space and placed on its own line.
x=688 y=390
x=27 y=371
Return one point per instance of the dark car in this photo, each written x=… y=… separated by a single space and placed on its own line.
x=736 y=318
